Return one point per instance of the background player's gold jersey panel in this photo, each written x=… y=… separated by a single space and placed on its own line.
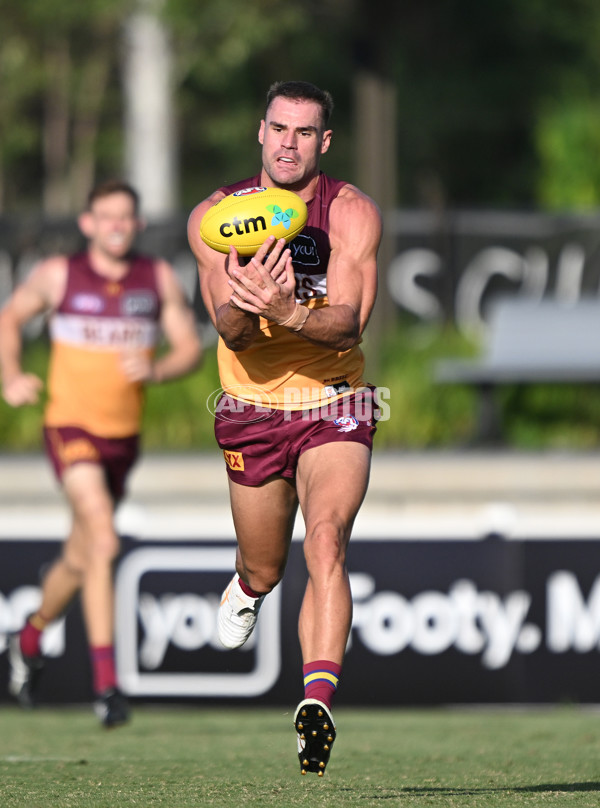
x=89 y=389
x=283 y=371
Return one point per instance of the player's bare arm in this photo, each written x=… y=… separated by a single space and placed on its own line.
x=238 y=326
x=355 y=233
x=40 y=293
x=178 y=327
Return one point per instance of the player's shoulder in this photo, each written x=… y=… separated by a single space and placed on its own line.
x=200 y=209
x=168 y=282
x=50 y=270
x=50 y=263
x=162 y=266
x=350 y=197
x=352 y=206
x=45 y=282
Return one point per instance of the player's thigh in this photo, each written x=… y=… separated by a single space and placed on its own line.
x=332 y=481
x=264 y=516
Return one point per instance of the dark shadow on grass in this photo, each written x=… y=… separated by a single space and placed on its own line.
x=422 y=791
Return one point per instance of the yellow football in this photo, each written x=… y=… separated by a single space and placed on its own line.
x=245 y=218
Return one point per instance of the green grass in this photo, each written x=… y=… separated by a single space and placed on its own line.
x=197 y=756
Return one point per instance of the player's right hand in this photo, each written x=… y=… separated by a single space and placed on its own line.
x=136 y=365
x=24 y=388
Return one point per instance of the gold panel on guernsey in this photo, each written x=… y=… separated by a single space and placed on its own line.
x=297 y=390
x=89 y=389
x=282 y=372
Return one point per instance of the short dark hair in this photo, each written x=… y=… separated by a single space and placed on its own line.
x=302 y=91
x=109 y=187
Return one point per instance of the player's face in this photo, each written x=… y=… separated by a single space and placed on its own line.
x=111 y=225
x=293 y=141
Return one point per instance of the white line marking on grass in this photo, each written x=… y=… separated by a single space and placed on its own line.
x=53 y=759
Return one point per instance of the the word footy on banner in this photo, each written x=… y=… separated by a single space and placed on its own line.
x=423 y=612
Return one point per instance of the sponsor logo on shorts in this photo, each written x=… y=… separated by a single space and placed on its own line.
x=346 y=423
x=235 y=460
x=76 y=450
x=335 y=389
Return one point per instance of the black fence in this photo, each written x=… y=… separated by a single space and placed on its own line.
x=444 y=266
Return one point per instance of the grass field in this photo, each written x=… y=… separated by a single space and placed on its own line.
x=194 y=756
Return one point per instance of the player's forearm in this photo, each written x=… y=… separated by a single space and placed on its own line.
x=335 y=327
x=237 y=328
x=10 y=350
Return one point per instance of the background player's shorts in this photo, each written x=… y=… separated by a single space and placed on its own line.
x=68 y=445
x=259 y=442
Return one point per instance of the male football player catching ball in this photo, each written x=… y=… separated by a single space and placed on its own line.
x=299 y=418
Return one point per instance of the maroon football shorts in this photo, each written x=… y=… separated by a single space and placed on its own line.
x=259 y=442
x=68 y=445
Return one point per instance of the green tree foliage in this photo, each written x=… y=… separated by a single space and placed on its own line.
x=228 y=53
x=58 y=64
x=568 y=141
x=496 y=101
x=473 y=80
x=567 y=130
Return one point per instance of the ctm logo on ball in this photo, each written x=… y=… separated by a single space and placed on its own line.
x=245 y=218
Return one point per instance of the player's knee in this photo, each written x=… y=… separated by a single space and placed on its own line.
x=104 y=549
x=325 y=546
x=74 y=562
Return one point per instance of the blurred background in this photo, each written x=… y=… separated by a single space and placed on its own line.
x=476 y=128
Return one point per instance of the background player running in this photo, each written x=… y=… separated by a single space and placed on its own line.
x=107 y=307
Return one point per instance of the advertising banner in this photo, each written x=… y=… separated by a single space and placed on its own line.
x=435 y=621
x=449 y=266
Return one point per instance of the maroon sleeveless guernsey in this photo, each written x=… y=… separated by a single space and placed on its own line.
x=97 y=321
